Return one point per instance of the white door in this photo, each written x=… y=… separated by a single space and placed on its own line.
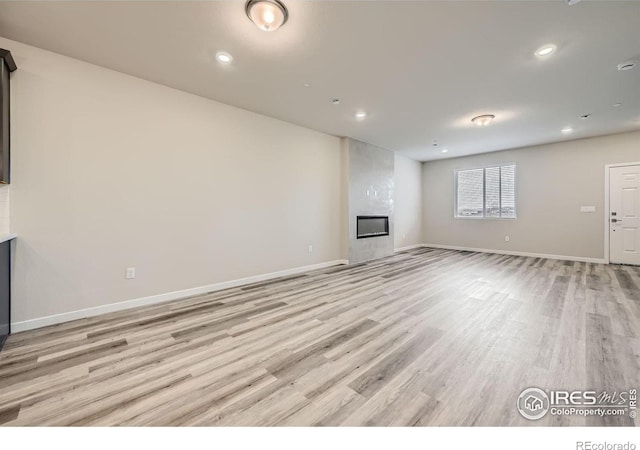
x=624 y=214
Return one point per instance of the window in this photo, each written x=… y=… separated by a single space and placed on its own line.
x=488 y=193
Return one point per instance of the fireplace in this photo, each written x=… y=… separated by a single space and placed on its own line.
x=372 y=226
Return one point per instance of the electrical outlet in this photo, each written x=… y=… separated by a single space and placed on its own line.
x=311 y=249
x=131 y=273
x=506 y=238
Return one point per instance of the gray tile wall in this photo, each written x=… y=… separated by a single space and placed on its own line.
x=371 y=186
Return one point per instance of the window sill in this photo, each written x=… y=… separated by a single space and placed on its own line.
x=485 y=218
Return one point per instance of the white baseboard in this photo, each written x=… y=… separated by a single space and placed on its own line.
x=408 y=247
x=160 y=298
x=513 y=253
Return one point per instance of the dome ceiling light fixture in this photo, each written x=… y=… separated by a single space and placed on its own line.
x=268 y=15
x=484 y=120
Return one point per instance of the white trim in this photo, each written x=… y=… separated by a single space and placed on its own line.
x=606 y=212
x=408 y=247
x=160 y=298
x=513 y=253
x=607 y=228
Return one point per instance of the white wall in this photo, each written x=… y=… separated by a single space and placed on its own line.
x=344 y=204
x=4 y=208
x=110 y=171
x=408 y=202
x=553 y=181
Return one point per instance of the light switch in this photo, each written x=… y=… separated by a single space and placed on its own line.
x=588 y=209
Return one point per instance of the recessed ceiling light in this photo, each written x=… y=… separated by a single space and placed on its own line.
x=628 y=65
x=306 y=85
x=268 y=15
x=546 y=50
x=335 y=101
x=224 y=58
x=361 y=115
x=567 y=130
x=585 y=116
x=484 y=120
x=573 y=2
x=445 y=150
x=617 y=105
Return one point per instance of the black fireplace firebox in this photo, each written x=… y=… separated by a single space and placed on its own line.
x=372 y=226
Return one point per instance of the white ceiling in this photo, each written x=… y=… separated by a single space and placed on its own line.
x=420 y=69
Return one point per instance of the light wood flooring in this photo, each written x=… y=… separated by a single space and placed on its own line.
x=424 y=337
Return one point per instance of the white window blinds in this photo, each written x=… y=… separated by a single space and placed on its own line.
x=486 y=193
x=470 y=193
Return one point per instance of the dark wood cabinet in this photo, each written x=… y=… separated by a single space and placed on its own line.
x=7 y=65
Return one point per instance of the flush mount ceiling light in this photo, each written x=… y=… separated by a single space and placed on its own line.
x=567 y=130
x=445 y=150
x=268 y=15
x=224 y=58
x=361 y=115
x=628 y=65
x=573 y=2
x=546 y=50
x=484 y=120
x=617 y=105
